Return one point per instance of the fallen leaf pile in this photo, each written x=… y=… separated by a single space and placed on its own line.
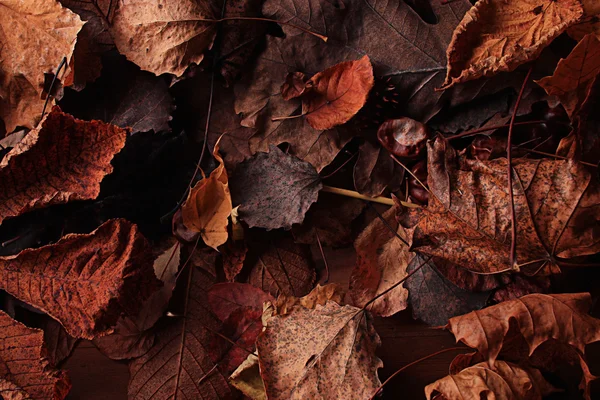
x=176 y=175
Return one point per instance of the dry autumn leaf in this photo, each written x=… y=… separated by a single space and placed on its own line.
x=36 y=35
x=590 y=22
x=504 y=381
x=333 y=351
x=225 y=298
x=208 y=206
x=574 y=75
x=163 y=37
x=62 y=160
x=84 y=281
x=467 y=221
x=318 y=296
x=274 y=190
x=26 y=373
x=498 y=36
x=336 y=94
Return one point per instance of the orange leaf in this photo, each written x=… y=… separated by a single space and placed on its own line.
x=84 y=281
x=498 y=35
x=574 y=75
x=62 y=160
x=336 y=94
x=590 y=21
x=208 y=206
x=26 y=373
x=36 y=35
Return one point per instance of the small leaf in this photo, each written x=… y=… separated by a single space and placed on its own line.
x=225 y=298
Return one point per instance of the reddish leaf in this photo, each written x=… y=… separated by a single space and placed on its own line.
x=233 y=254
x=63 y=160
x=590 y=22
x=375 y=170
x=58 y=342
x=225 y=298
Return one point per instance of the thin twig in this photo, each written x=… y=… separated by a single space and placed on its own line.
x=541 y=153
x=340 y=167
x=322 y=255
x=60 y=66
x=351 y=193
x=513 y=216
x=410 y=172
x=387 y=224
x=491 y=128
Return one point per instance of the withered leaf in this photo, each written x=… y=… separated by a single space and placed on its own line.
x=62 y=160
x=179 y=365
x=36 y=35
x=233 y=254
x=375 y=170
x=327 y=353
x=225 y=298
x=26 y=373
x=584 y=141
x=539 y=318
x=274 y=190
x=498 y=36
x=590 y=22
x=320 y=295
x=503 y=381
x=467 y=221
x=58 y=342
x=84 y=280
x=574 y=75
x=336 y=94
x=208 y=205
x=163 y=37
x=246 y=378
x=283 y=267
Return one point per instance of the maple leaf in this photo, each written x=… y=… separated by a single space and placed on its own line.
x=334 y=354
x=62 y=160
x=46 y=32
x=274 y=190
x=208 y=206
x=283 y=267
x=574 y=75
x=497 y=36
x=503 y=381
x=590 y=23
x=84 y=280
x=467 y=220
x=124 y=96
x=163 y=37
x=26 y=373
x=335 y=95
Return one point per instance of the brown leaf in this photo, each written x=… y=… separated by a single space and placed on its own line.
x=84 y=280
x=294 y=85
x=336 y=94
x=467 y=221
x=375 y=170
x=208 y=205
x=382 y=259
x=247 y=379
x=318 y=296
x=233 y=254
x=225 y=298
x=62 y=160
x=504 y=381
x=326 y=353
x=521 y=286
x=58 y=342
x=539 y=318
x=284 y=267
x=163 y=37
x=590 y=21
x=26 y=373
x=274 y=190
x=36 y=36
x=179 y=365
x=574 y=75
x=498 y=36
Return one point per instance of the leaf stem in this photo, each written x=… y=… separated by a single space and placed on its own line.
x=62 y=64
x=513 y=217
x=491 y=128
x=351 y=193
x=410 y=172
x=542 y=153
x=322 y=255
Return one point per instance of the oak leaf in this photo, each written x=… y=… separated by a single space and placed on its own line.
x=467 y=220
x=84 y=281
x=497 y=36
x=503 y=381
x=26 y=372
x=163 y=37
x=274 y=190
x=327 y=352
x=208 y=205
x=335 y=95
x=574 y=75
x=62 y=160
x=36 y=35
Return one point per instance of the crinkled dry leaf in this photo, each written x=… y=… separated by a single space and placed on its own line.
x=590 y=21
x=274 y=190
x=36 y=35
x=318 y=296
x=84 y=281
x=163 y=36
x=208 y=206
x=326 y=353
x=233 y=254
x=63 y=160
x=336 y=94
x=504 y=381
x=26 y=373
x=498 y=36
x=467 y=221
x=246 y=378
x=539 y=318
x=294 y=85
x=574 y=75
